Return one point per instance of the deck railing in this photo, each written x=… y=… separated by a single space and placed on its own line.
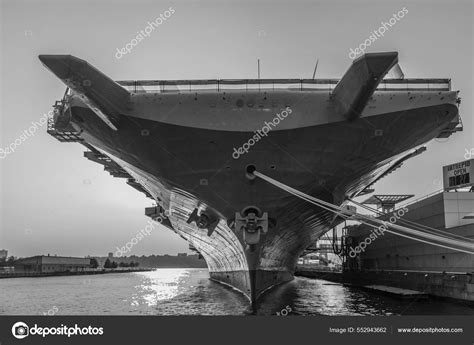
x=179 y=86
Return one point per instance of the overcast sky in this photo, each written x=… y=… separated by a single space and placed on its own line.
x=55 y=201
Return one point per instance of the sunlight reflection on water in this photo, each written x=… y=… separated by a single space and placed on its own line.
x=158 y=285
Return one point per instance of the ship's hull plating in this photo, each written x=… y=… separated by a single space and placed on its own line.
x=184 y=168
x=183 y=146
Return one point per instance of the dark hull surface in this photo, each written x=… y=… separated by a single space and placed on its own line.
x=178 y=149
x=188 y=168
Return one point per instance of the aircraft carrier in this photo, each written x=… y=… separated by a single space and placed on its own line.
x=187 y=145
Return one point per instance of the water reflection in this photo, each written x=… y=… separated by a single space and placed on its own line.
x=191 y=292
x=318 y=297
x=159 y=285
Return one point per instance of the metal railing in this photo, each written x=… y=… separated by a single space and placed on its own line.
x=181 y=86
x=61 y=135
x=427 y=196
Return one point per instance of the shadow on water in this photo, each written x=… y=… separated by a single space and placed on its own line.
x=277 y=300
x=304 y=296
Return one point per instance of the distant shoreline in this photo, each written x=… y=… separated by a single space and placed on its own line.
x=56 y=274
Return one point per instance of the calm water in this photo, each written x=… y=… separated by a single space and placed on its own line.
x=190 y=292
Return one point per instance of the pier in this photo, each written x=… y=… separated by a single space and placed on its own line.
x=385 y=262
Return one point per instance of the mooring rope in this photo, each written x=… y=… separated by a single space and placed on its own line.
x=416 y=225
x=466 y=245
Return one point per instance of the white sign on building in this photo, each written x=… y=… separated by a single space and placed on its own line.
x=458 y=175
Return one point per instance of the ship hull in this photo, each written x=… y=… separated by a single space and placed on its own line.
x=197 y=176
x=252 y=283
x=191 y=148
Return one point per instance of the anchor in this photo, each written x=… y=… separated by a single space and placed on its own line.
x=205 y=220
x=253 y=223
